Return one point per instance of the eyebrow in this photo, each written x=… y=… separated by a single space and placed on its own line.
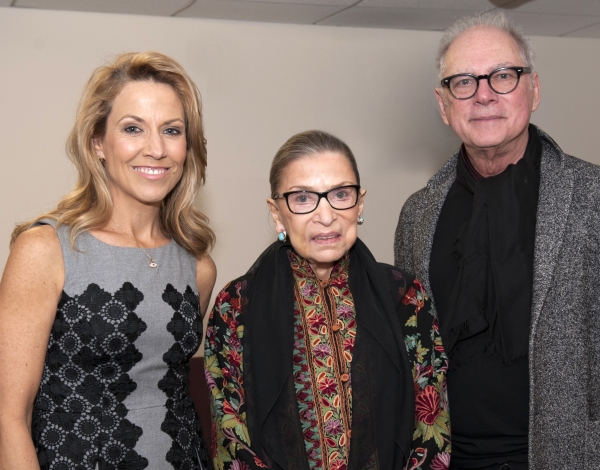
x=311 y=189
x=499 y=66
x=491 y=68
x=139 y=119
x=131 y=116
x=171 y=121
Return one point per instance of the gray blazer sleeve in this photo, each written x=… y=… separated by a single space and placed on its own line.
x=404 y=237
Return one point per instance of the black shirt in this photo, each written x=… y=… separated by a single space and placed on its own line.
x=488 y=396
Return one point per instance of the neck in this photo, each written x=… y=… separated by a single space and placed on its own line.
x=322 y=272
x=142 y=225
x=493 y=161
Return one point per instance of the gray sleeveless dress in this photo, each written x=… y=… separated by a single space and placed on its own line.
x=114 y=391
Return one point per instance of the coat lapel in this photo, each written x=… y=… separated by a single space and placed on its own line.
x=437 y=190
x=555 y=197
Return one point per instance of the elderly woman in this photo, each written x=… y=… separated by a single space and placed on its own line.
x=319 y=357
x=101 y=298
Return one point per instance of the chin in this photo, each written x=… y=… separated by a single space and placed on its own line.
x=157 y=195
x=151 y=201
x=329 y=256
x=487 y=141
x=328 y=259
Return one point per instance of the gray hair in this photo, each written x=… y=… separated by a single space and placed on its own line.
x=492 y=19
x=305 y=144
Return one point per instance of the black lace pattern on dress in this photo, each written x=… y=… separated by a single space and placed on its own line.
x=79 y=419
x=181 y=422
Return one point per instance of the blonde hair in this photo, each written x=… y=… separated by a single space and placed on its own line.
x=88 y=206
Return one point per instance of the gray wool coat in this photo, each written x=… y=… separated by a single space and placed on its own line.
x=564 y=337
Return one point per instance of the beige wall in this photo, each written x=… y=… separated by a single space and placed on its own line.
x=260 y=84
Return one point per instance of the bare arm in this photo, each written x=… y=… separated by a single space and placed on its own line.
x=29 y=293
x=206 y=275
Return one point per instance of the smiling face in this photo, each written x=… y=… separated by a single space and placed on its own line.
x=323 y=236
x=489 y=122
x=144 y=146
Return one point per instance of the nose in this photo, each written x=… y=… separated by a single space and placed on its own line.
x=155 y=146
x=484 y=93
x=324 y=213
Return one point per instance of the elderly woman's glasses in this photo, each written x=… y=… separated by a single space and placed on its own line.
x=303 y=202
x=503 y=80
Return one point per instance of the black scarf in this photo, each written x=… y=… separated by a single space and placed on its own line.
x=493 y=289
x=381 y=375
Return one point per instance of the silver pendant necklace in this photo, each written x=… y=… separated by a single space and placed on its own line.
x=153 y=263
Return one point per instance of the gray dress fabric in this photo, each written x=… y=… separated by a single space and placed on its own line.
x=114 y=390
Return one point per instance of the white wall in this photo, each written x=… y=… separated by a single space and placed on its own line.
x=262 y=83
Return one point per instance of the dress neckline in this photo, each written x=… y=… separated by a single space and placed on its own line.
x=171 y=241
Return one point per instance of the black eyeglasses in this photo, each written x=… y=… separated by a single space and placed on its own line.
x=304 y=202
x=503 y=80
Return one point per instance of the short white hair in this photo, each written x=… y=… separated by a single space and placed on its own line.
x=493 y=19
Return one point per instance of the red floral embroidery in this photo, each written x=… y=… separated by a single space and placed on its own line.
x=328 y=386
x=234 y=358
x=236 y=304
x=414 y=297
x=338 y=465
x=428 y=405
x=409 y=297
x=259 y=463
x=222 y=297
x=441 y=461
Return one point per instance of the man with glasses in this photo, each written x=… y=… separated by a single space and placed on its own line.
x=505 y=238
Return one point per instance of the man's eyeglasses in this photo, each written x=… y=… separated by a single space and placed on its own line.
x=304 y=202
x=503 y=80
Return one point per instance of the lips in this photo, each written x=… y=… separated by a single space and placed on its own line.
x=148 y=170
x=326 y=238
x=152 y=173
x=486 y=118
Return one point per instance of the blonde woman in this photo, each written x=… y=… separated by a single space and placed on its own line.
x=101 y=298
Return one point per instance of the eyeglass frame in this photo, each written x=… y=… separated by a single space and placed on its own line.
x=321 y=195
x=445 y=82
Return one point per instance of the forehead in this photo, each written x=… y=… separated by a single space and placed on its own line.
x=320 y=171
x=480 y=50
x=147 y=95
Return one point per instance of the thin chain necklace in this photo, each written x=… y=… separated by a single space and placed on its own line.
x=153 y=263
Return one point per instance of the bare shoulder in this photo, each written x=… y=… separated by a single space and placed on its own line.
x=39 y=236
x=36 y=251
x=206 y=275
x=206 y=269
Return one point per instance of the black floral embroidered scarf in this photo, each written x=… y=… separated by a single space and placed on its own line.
x=380 y=362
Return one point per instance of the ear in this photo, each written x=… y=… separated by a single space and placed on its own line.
x=279 y=227
x=536 y=91
x=98 y=147
x=442 y=104
x=361 y=201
